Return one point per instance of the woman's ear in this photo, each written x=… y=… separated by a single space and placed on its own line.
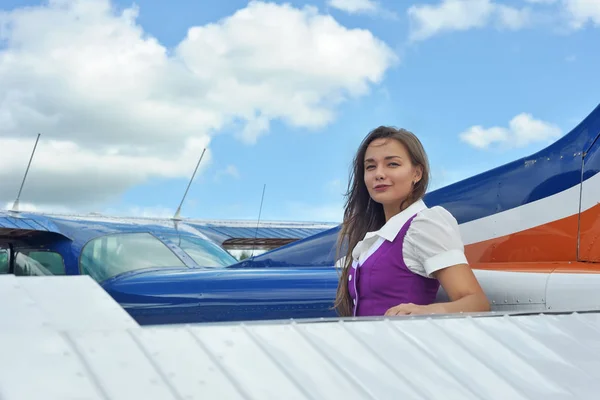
x=418 y=174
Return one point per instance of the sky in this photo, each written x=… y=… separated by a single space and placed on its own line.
x=127 y=95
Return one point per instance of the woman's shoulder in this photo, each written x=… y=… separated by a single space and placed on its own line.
x=435 y=216
x=434 y=241
x=434 y=228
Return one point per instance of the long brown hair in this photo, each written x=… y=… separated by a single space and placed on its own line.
x=362 y=214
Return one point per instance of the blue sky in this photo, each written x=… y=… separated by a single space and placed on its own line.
x=454 y=72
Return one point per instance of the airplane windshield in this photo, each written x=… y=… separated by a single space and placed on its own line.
x=204 y=252
x=111 y=255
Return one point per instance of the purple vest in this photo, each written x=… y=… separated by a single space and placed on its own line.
x=384 y=280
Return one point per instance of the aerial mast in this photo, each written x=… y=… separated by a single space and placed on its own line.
x=258 y=221
x=178 y=212
x=15 y=206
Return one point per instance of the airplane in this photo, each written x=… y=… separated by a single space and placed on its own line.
x=531 y=229
x=162 y=271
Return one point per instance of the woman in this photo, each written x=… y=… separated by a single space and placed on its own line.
x=399 y=250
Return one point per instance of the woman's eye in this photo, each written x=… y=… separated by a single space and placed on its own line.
x=393 y=164
x=369 y=167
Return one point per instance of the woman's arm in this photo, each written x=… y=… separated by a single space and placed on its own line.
x=434 y=248
x=463 y=289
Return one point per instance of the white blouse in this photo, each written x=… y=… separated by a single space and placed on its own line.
x=432 y=242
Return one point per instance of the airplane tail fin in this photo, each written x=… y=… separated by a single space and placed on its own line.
x=541 y=208
x=544 y=207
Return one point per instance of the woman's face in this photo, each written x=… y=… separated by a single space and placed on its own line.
x=389 y=173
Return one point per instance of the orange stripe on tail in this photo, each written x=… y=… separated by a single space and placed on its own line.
x=552 y=242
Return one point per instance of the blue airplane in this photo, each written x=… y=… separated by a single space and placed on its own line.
x=160 y=271
x=530 y=229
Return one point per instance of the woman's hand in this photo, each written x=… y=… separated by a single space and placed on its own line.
x=415 y=309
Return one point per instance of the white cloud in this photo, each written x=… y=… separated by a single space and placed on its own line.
x=577 y=13
x=63 y=171
x=478 y=136
x=580 y=12
x=30 y=207
x=512 y=18
x=360 y=7
x=354 y=6
x=462 y=15
x=522 y=130
x=116 y=108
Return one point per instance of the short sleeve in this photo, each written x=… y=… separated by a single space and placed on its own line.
x=433 y=242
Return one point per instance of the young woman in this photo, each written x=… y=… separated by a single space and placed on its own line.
x=399 y=250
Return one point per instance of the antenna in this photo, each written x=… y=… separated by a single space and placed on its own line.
x=258 y=222
x=15 y=206
x=176 y=216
